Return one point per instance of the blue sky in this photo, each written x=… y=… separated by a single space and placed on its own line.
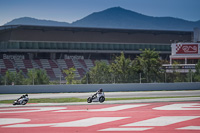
x=72 y=10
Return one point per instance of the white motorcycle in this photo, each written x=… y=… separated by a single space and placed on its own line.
x=96 y=98
x=21 y=101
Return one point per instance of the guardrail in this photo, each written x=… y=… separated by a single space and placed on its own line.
x=17 y=89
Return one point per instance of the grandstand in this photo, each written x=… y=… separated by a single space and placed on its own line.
x=55 y=49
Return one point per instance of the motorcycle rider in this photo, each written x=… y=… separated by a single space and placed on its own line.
x=22 y=97
x=98 y=92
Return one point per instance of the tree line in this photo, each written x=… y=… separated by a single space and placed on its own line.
x=33 y=77
x=145 y=68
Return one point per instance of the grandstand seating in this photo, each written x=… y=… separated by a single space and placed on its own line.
x=8 y=63
x=2 y=65
x=3 y=71
x=54 y=68
x=50 y=73
x=45 y=63
x=83 y=62
x=38 y=63
x=53 y=64
x=12 y=69
x=89 y=63
x=24 y=70
x=28 y=64
x=34 y=64
x=76 y=66
x=62 y=63
x=81 y=72
x=19 y=64
x=58 y=72
x=93 y=61
x=106 y=61
x=69 y=63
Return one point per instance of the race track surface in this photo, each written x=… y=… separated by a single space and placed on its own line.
x=108 y=94
x=162 y=117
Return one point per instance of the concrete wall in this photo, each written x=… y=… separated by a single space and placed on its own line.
x=93 y=87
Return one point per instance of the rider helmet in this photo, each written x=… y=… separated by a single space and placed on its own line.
x=101 y=90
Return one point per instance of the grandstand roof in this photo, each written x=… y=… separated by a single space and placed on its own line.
x=10 y=27
x=83 y=34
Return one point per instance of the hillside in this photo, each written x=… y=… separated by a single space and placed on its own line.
x=33 y=21
x=117 y=17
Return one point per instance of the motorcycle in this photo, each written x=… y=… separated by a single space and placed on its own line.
x=96 y=98
x=21 y=101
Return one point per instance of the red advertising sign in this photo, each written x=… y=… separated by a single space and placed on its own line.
x=187 y=48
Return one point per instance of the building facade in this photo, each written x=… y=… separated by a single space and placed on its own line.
x=54 y=49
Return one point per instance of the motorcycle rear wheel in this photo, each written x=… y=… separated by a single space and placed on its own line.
x=24 y=102
x=101 y=99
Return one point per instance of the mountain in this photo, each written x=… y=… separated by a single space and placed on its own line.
x=33 y=21
x=118 y=17
x=114 y=17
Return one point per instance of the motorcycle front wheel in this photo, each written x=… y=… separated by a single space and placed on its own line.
x=89 y=100
x=15 y=103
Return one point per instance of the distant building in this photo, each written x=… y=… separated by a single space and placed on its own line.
x=57 y=48
x=185 y=54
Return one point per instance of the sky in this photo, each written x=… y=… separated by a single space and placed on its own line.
x=72 y=10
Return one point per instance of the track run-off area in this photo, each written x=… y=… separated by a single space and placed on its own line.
x=162 y=117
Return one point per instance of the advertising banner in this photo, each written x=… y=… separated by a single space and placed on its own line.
x=186 y=48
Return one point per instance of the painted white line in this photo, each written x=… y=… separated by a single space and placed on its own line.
x=29 y=125
x=115 y=108
x=79 y=123
x=190 y=128
x=4 y=121
x=162 y=121
x=70 y=110
x=29 y=109
x=89 y=122
x=121 y=107
x=181 y=106
x=126 y=129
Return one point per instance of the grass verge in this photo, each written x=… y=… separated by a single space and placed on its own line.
x=69 y=100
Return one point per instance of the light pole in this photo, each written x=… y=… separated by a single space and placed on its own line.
x=60 y=78
x=87 y=77
x=5 y=79
x=33 y=76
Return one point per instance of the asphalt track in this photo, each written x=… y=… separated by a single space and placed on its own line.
x=108 y=94
x=162 y=117
x=174 y=115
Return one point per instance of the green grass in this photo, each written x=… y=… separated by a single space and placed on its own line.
x=69 y=100
x=49 y=100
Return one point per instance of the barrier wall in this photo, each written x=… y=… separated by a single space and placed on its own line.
x=93 y=87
